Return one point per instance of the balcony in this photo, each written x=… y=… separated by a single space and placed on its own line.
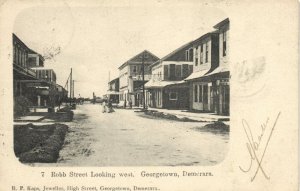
x=139 y=77
x=23 y=73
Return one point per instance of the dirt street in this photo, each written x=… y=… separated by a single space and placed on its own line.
x=128 y=138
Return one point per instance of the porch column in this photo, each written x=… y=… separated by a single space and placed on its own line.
x=39 y=100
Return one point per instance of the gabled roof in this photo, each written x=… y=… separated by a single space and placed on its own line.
x=225 y=21
x=172 y=53
x=136 y=57
x=205 y=36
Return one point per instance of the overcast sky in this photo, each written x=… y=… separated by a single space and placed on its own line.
x=94 y=41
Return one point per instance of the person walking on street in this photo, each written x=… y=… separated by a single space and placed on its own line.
x=130 y=104
x=125 y=104
x=104 y=106
x=109 y=107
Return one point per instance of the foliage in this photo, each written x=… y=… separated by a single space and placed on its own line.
x=21 y=106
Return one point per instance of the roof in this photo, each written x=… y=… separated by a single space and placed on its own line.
x=30 y=50
x=134 y=57
x=205 y=73
x=172 y=53
x=219 y=69
x=205 y=36
x=113 y=80
x=197 y=74
x=225 y=21
x=161 y=84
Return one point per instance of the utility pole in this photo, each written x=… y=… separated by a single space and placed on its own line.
x=71 y=81
x=73 y=87
x=143 y=79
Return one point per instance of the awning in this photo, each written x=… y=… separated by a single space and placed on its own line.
x=219 y=69
x=198 y=74
x=161 y=84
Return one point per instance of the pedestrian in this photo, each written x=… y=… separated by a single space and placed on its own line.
x=109 y=105
x=125 y=104
x=130 y=104
x=104 y=106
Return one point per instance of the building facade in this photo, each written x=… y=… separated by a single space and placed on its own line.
x=131 y=77
x=21 y=69
x=113 y=90
x=166 y=89
x=31 y=80
x=45 y=90
x=209 y=83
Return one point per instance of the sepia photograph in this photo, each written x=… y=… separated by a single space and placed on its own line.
x=118 y=88
x=149 y=95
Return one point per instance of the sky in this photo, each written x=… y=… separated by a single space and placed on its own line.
x=95 y=41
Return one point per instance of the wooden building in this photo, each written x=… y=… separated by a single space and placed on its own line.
x=113 y=90
x=209 y=83
x=166 y=89
x=31 y=80
x=131 y=77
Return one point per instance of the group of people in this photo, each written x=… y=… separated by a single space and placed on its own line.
x=107 y=106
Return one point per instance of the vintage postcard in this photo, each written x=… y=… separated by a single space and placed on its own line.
x=149 y=95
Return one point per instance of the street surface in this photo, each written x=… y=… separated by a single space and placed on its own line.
x=128 y=138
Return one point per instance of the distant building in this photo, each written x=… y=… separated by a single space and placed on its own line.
x=113 y=90
x=45 y=88
x=166 y=89
x=131 y=77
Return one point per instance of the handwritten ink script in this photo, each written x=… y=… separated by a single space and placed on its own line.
x=257 y=146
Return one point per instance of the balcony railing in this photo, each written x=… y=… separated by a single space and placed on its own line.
x=140 y=77
x=25 y=70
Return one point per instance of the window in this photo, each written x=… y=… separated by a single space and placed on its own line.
x=205 y=94
x=187 y=55
x=20 y=58
x=195 y=93
x=172 y=72
x=173 y=96
x=24 y=59
x=178 y=70
x=134 y=70
x=196 y=56
x=14 y=53
x=224 y=43
x=191 y=54
x=201 y=54
x=206 y=52
x=46 y=74
x=200 y=93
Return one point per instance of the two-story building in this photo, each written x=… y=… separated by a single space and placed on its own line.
x=166 y=89
x=113 y=90
x=221 y=75
x=206 y=53
x=44 y=88
x=209 y=82
x=21 y=69
x=131 y=77
x=32 y=80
